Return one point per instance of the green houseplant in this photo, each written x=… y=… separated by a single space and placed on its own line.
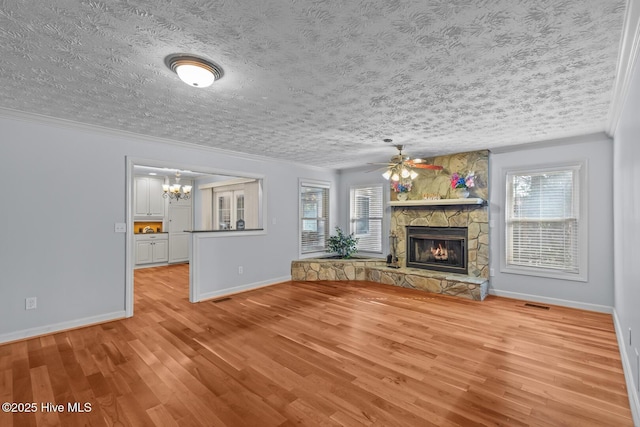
x=344 y=245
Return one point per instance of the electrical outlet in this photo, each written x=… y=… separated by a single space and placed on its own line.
x=31 y=303
x=240 y=269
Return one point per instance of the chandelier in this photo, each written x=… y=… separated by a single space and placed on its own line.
x=176 y=191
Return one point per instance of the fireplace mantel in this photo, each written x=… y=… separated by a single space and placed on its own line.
x=439 y=202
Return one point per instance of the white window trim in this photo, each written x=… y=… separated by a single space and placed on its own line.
x=319 y=184
x=382 y=218
x=583 y=244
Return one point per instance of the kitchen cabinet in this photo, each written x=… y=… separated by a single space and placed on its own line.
x=147 y=196
x=152 y=248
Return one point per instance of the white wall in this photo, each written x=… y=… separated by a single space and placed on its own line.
x=57 y=239
x=597 y=292
x=363 y=177
x=626 y=166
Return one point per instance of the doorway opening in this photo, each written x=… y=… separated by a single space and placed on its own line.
x=160 y=226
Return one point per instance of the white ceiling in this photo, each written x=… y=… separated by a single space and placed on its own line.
x=319 y=82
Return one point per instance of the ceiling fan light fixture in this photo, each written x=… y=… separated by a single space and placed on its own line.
x=194 y=71
x=395 y=177
x=404 y=172
x=413 y=174
x=387 y=174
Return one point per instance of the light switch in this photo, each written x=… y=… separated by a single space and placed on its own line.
x=120 y=227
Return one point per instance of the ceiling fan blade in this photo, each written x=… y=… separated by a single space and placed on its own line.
x=425 y=166
x=377 y=169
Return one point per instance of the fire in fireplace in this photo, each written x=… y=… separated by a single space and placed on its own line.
x=437 y=248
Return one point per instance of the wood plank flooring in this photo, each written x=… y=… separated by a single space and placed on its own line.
x=321 y=354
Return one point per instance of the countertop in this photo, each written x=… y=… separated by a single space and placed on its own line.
x=219 y=231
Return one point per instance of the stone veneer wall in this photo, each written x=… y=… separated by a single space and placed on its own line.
x=376 y=270
x=333 y=269
x=475 y=217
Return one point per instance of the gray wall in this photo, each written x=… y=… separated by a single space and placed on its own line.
x=57 y=238
x=597 y=292
x=361 y=177
x=626 y=192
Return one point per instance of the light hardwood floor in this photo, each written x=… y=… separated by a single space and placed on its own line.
x=323 y=353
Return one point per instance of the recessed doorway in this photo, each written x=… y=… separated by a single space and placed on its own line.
x=161 y=226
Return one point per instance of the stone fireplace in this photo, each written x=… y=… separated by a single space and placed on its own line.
x=441 y=243
x=446 y=213
x=437 y=248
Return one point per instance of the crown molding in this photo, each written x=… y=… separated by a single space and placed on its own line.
x=629 y=46
x=578 y=139
x=70 y=124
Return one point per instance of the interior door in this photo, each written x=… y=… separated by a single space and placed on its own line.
x=179 y=221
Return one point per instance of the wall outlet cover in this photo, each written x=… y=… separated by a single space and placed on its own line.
x=31 y=303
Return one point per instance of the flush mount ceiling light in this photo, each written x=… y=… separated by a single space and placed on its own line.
x=194 y=71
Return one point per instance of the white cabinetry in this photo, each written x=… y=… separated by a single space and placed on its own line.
x=152 y=248
x=147 y=196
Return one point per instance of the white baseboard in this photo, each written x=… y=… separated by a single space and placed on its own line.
x=243 y=288
x=634 y=400
x=554 y=301
x=62 y=326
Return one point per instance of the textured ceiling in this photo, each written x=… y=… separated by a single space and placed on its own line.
x=320 y=82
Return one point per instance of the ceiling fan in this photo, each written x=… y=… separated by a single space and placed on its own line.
x=401 y=165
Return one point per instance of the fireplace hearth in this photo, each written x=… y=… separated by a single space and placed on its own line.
x=437 y=248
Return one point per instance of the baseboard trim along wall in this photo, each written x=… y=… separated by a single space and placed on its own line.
x=634 y=400
x=553 y=301
x=242 y=288
x=62 y=326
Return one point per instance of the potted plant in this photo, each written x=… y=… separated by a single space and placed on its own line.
x=343 y=245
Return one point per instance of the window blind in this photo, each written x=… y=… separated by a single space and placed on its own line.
x=314 y=217
x=366 y=217
x=542 y=219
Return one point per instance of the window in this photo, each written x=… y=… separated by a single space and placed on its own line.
x=314 y=216
x=366 y=217
x=544 y=228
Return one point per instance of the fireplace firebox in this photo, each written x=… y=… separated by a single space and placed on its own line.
x=437 y=248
